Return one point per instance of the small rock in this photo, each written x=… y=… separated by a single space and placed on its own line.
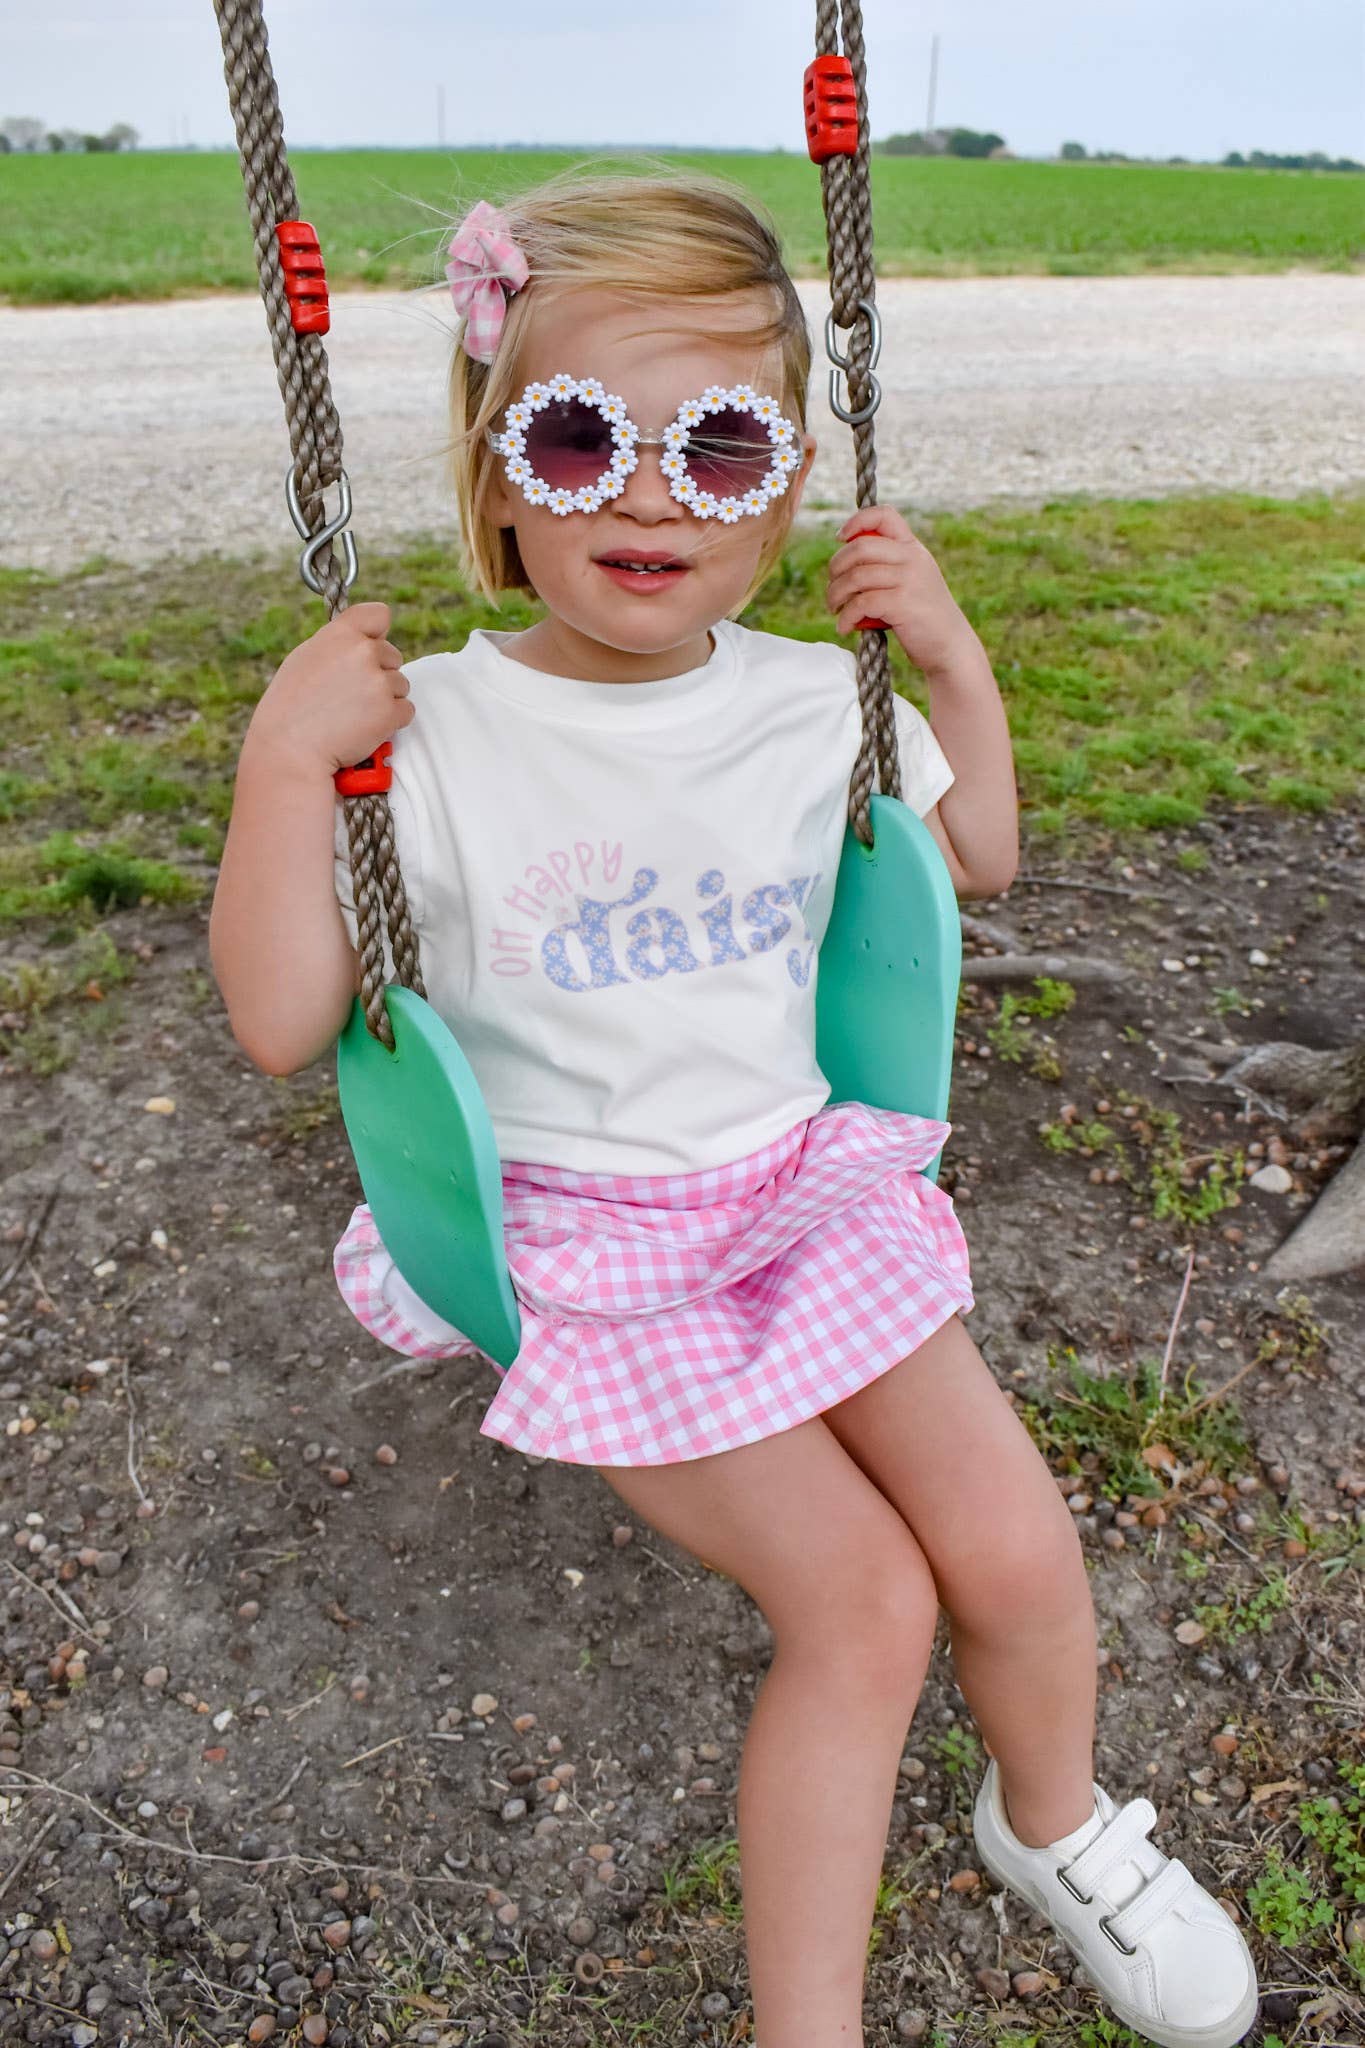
x=484 y=1704
x=1273 y=1180
x=155 y=1678
x=160 y=1105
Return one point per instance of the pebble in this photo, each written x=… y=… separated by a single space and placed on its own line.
x=1273 y=1180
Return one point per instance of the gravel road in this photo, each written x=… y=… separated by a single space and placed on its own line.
x=151 y=430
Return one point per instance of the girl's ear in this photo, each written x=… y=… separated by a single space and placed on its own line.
x=798 y=483
x=497 y=498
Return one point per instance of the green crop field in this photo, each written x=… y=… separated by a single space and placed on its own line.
x=150 y=225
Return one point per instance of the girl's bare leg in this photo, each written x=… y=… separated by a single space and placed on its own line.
x=939 y=1439
x=852 y=1606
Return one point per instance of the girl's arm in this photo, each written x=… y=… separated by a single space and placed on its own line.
x=279 y=946
x=281 y=953
x=976 y=820
x=882 y=570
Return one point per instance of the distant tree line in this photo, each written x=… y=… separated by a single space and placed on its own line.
x=941 y=142
x=979 y=143
x=22 y=134
x=1258 y=160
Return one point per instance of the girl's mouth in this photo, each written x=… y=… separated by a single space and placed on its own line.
x=642 y=572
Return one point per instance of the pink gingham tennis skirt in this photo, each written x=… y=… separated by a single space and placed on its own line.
x=671 y=1316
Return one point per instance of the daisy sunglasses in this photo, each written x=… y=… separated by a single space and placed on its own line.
x=570 y=444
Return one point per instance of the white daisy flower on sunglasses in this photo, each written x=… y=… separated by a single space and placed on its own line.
x=518 y=469
x=728 y=511
x=706 y=504
x=715 y=398
x=756 y=501
x=742 y=397
x=561 y=502
x=675 y=436
x=764 y=408
x=626 y=434
x=691 y=412
x=519 y=416
x=534 y=491
x=588 y=498
x=780 y=432
x=536 y=396
x=563 y=386
x=784 y=460
x=612 y=408
x=592 y=389
x=513 y=442
x=624 y=461
x=673 y=464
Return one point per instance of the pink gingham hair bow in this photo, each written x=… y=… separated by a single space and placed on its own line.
x=485 y=268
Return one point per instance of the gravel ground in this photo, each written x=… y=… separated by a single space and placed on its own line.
x=325 y=1719
x=150 y=430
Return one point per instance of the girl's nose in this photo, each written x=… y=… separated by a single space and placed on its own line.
x=646 y=493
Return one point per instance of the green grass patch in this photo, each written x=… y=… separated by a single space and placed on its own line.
x=1102 y=1426
x=1188 y=655
x=154 y=224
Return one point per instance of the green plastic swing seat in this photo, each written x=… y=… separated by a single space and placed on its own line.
x=886 y=1002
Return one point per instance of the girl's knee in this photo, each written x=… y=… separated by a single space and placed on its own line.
x=873 y=1628
x=1035 y=1578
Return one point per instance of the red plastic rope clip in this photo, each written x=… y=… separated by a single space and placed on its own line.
x=305 y=279
x=368 y=777
x=831 y=109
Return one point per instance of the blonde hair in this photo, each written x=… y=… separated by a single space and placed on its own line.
x=656 y=234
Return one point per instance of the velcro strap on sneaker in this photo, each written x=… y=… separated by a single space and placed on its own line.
x=1151 y=1904
x=1114 y=1843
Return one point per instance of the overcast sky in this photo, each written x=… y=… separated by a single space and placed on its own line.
x=1160 y=78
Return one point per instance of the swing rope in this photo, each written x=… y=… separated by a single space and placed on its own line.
x=315 y=442
x=846 y=190
x=294 y=290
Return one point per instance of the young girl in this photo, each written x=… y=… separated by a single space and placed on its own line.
x=619 y=831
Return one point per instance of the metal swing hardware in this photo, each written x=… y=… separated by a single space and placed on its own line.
x=317 y=541
x=864 y=412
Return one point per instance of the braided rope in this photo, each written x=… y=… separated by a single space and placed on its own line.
x=315 y=443
x=846 y=189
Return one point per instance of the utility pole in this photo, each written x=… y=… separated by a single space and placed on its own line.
x=440 y=117
x=933 y=86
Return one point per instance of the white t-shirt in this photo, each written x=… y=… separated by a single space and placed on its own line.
x=619 y=889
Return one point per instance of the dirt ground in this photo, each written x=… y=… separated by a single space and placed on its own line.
x=324 y=1718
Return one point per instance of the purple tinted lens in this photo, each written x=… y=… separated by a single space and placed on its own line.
x=728 y=453
x=569 y=444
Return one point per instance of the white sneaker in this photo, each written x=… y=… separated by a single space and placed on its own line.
x=1159 y=1950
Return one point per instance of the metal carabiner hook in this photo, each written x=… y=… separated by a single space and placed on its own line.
x=317 y=541
x=865 y=412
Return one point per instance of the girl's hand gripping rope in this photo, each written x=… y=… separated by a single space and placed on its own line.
x=337 y=696
x=881 y=571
